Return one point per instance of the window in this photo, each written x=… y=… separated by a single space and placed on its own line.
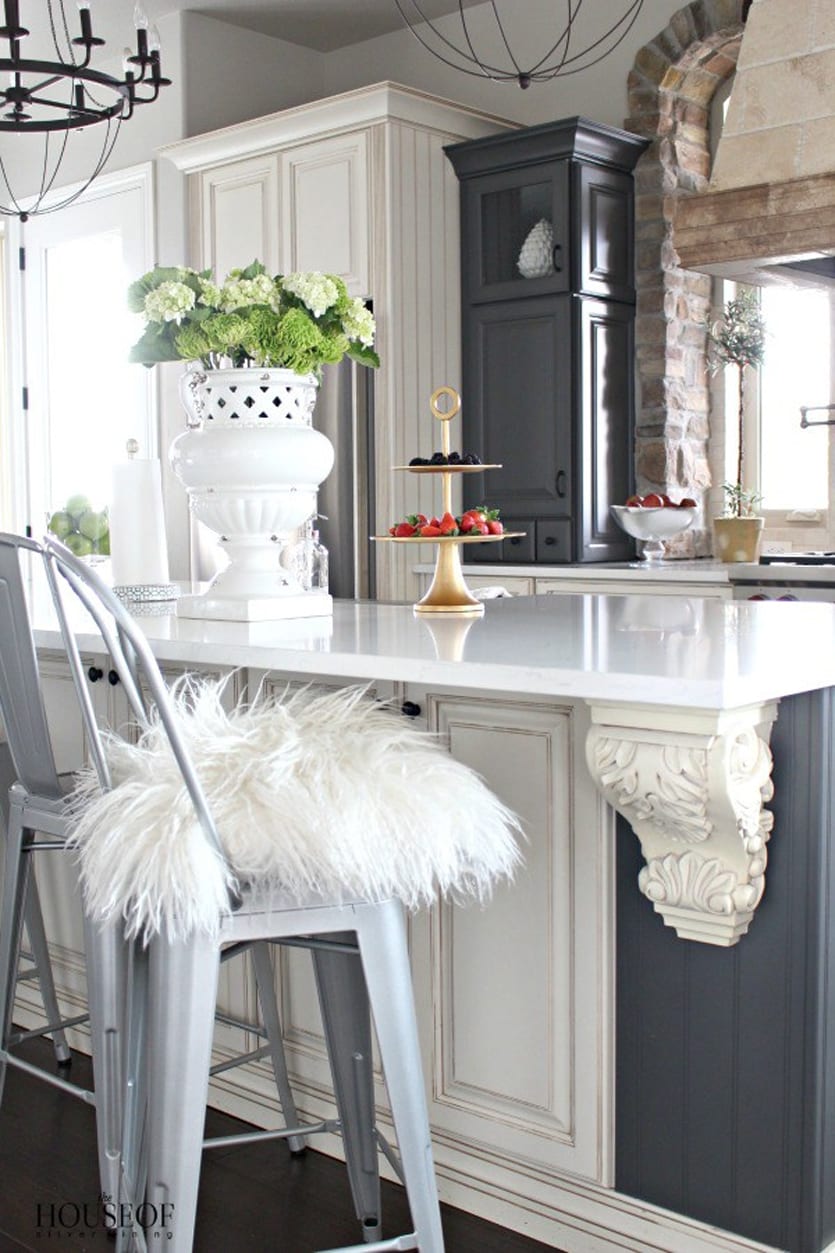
x=795 y=472
x=84 y=398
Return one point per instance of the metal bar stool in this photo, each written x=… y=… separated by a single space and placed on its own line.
x=34 y=813
x=37 y=823
x=358 y=936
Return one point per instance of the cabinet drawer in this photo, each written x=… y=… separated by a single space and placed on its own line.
x=553 y=540
x=521 y=547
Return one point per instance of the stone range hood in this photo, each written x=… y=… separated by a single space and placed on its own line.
x=780 y=127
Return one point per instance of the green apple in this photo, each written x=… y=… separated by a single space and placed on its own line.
x=93 y=525
x=79 y=544
x=76 y=505
x=60 y=524
x=103 y=546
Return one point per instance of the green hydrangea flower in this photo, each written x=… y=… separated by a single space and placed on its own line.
x=299 y=322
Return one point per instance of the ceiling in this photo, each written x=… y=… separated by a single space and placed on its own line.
x=320 y=24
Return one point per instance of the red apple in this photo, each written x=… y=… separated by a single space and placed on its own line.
x=634 y=502
x=653 y=501
x=687 y=502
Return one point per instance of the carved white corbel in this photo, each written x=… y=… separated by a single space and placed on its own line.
x=693 y=784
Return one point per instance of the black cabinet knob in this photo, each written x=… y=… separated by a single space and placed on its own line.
x=557 y=258
x=550 y=540
x=410 y=709
x=517 y=539
x=113 y=677
x=95 y=673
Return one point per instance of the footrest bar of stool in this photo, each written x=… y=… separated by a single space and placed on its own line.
x=83 y=1094
x=398 y=1245
x=247 y=1137
x=327 y=946
x=228 y=1020
x=63 y=1024
x=254 y=1056
x=390 y=1156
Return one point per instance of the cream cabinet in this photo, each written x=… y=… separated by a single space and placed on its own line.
x=357 y=185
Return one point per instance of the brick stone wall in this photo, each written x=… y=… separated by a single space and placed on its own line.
x=671 y=86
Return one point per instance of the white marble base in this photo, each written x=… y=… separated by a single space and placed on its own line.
x=256 y=608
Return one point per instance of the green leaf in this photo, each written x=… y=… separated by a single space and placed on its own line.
x=154 y=347
x=363 y=356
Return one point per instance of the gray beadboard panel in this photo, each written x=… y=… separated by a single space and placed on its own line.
x=726 y=1058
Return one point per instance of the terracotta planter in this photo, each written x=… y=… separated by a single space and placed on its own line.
x=737 y=539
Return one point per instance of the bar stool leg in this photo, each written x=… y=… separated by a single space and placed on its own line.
x=343 y=1000
x=15 y=876
x=381 y=933
x=265 y=982
x=182 y=988
x=107 y=961
x=33 y=920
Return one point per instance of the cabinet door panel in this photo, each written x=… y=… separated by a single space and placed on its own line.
x=605 y=381
x=500 y=210
x=606 y=251
x=325 y=219
x=517 y=991
x=239 y=205
x=518 y=405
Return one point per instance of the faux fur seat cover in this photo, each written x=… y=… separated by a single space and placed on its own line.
x=315 y=793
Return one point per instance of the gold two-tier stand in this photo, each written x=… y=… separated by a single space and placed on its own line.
x=448 y=592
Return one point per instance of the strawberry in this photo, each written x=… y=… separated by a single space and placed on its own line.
x=404 y=529
x=431 y=532
x=480 y=528
x=495 y=527
x=448 y=525
x=392 y=529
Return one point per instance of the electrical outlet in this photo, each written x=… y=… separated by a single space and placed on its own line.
x=773 y=547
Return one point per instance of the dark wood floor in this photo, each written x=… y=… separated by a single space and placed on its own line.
x=254 y=1198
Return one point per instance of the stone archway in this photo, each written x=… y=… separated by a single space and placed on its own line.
x=671 y=86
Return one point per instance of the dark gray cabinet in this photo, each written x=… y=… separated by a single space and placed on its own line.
x=547 y=225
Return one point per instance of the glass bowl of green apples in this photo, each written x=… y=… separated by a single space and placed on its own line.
x=84 y=530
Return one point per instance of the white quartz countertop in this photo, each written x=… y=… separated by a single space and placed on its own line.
x=663 y=650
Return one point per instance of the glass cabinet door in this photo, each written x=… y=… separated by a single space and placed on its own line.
x=517 y=232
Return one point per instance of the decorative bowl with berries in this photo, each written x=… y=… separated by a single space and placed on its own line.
x=654 y=518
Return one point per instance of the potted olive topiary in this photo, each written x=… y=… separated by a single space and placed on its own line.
x=738 y=339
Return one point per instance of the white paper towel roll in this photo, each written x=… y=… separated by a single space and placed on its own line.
x=138 y=551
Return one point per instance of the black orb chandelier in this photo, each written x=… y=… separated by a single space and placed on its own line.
x=58 y=92
x=564 y=51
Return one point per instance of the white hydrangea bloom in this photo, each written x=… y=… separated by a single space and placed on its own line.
x=238 y=292
x=168 y=302
x=210 y=293
x=317 y=291
x=358 y=323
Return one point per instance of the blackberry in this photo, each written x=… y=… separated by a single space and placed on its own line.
x=438 y=459
x=418 y=461
x=455 y=458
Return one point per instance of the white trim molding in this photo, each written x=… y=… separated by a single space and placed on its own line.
x=693 y=785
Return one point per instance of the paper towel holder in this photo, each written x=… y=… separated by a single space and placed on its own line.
x=145 y=594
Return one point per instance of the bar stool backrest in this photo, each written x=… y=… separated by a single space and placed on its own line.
x=132 y=658
x=21 y=700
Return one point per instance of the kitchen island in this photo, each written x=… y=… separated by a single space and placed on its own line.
x=613 y=1059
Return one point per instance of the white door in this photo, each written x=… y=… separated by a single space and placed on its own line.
x=84 y=398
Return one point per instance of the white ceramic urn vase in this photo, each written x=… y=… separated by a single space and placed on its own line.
x=252 y=464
